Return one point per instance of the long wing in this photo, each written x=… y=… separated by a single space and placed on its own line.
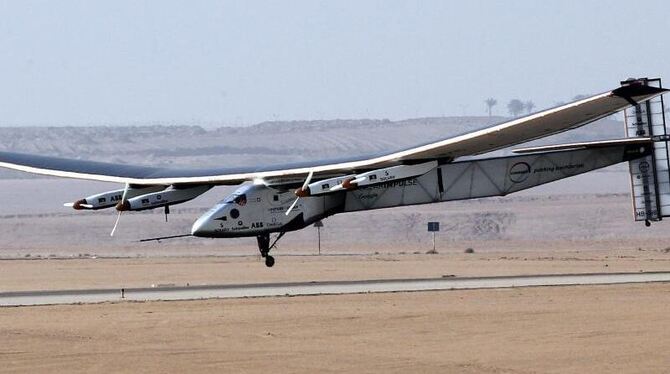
x=541 y=124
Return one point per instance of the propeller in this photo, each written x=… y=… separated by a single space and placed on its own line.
x=347 y=184
x=78 y=205
x=302 y=191
x=123 y=200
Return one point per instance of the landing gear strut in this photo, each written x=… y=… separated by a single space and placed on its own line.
x=264 y=247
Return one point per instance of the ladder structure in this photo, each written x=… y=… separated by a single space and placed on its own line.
x=650 y=175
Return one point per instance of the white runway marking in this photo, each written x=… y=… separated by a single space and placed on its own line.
x=22 y=298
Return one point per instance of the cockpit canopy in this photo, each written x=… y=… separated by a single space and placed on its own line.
x=235 y=198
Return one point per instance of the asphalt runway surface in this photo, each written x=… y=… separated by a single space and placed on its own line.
x=51 y=297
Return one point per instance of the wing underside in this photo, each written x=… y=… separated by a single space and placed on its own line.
x=537 y=125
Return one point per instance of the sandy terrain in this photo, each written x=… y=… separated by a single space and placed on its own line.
x=597 y=329
x=145 y=272
x=593 y=329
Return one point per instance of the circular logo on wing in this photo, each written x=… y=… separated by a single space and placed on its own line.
x=519 y=172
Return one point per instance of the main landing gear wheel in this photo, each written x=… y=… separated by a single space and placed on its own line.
x=264 y=247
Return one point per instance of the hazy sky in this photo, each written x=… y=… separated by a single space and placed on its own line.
x=193 y=62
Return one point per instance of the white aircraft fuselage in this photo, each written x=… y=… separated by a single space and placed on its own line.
x=257 y=209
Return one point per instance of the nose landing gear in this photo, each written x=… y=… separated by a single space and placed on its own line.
x=264 y=247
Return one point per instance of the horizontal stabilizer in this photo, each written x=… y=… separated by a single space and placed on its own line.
x=165 y=238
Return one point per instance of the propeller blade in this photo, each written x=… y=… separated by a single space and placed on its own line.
x=123 y=200
x=118 y=217
x=358 y=180
x=292 y=205
x=303 y=188
x=71 y=205
x=125 y=193
x=309 y=179
x=347 y=184
x=336 y=187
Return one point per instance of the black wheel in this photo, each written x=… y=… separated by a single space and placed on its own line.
x=269 y=261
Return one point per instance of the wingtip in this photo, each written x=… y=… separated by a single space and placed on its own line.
x=637 y=88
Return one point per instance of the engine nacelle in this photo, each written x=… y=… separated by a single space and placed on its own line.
x=169 y=196
x=323 y=186
x=110 y=198
x=369 y=178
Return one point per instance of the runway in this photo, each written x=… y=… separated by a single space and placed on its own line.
x=84 y=296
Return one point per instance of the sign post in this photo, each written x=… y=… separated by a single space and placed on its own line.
x=433 y=227
x=319 y=225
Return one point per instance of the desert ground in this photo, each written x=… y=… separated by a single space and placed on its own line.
x=50 y=274
x=594 y=329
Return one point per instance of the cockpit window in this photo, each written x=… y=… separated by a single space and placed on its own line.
x=240 y=200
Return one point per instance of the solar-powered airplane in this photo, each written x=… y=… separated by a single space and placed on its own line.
x=283 y=198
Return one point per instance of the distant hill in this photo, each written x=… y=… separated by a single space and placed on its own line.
x=267 y=142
